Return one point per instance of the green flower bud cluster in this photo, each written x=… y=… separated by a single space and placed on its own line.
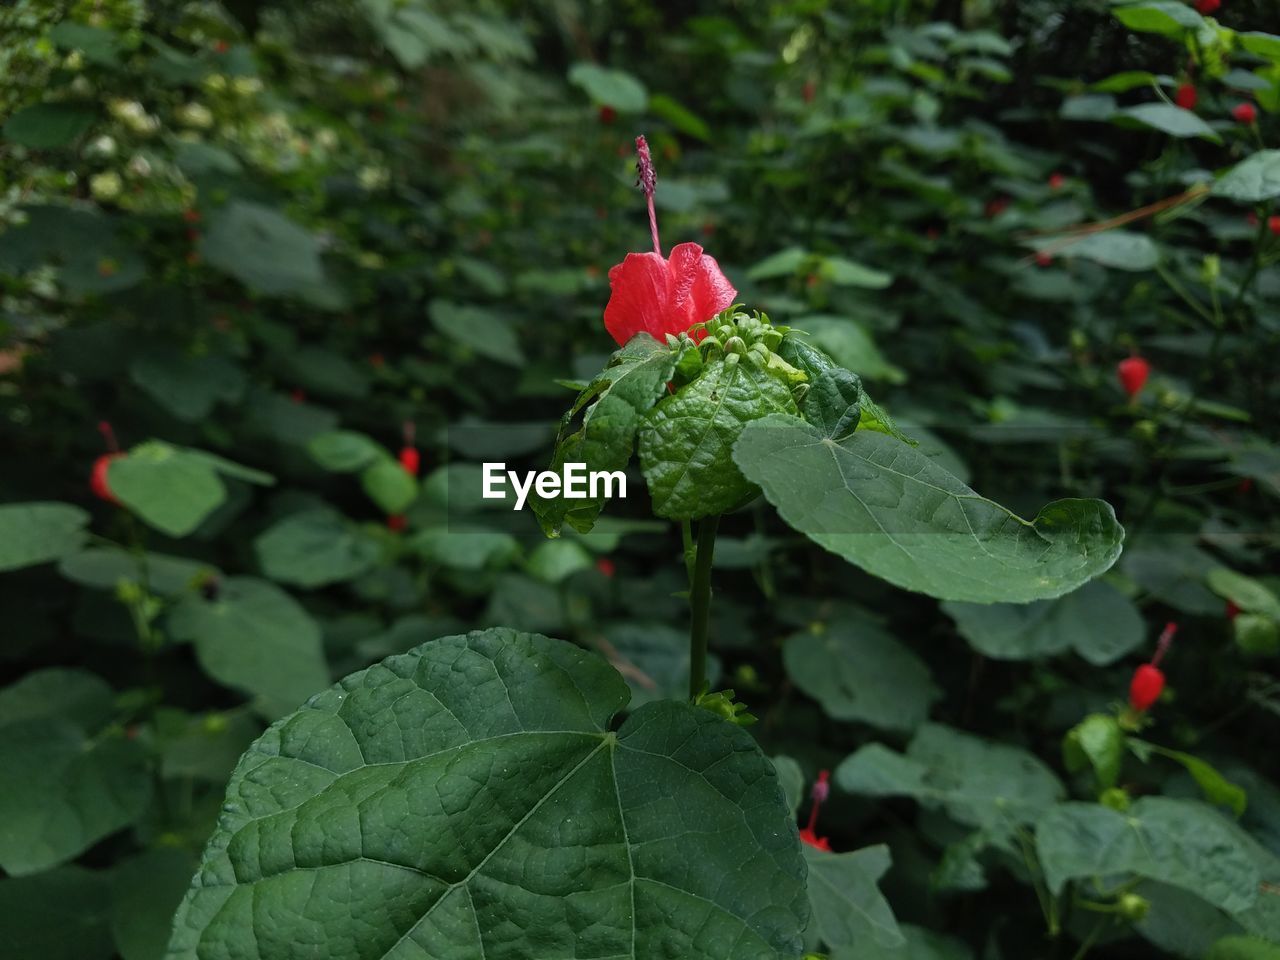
x=736 y=336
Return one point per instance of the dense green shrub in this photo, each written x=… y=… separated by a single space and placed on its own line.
x=250 y=254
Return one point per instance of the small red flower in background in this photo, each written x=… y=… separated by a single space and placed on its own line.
x=1044 y=259
x=1273 y=224
x=98 y=484
x=1232 y=610
x=1132 y=373
x=606 y=567
x=1057 y=181
x=1186 y=96
x=1148 y=680
x=1245 y=485
x=221 y=46
x=810 y=91
x=608 y=115
x=298 y=395
x=656 y=295
x=996 y=207
x=191 y=215
x=821 y=790
x=396 y=522
x=1245 y=113
x=1208 y=6
x=410 y=459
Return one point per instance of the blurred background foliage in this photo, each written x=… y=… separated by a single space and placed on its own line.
x=263 y=247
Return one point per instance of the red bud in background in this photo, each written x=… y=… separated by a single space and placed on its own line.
x=608 y=115
x=1057 y=181
x=1145 y=687
x=1208 y=6
x=1245 y=113
x=606 y=567
x=1132 y=373
x=821 y=790
x=1232 y=610
x=410 y=460
x=1186 y=96
x=98 y=478
x=396 y=522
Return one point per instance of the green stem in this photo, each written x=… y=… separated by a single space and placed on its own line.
x=700 y=604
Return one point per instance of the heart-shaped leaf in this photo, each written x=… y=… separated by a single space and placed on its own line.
x=468 y=800
x=888 y=508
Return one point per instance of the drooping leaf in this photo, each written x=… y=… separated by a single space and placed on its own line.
x=467 y=799
x=1171 y=18
x=263 y=249
x=889 y=509
x=479 y=329
x=983 y=784
x=1253 y=180
x=611 y=408
x=1179 y=842
x=1217 y=789
x=609 y=88
x=848 y=908
x=1121 y=249
x=165 y=487
x=314 y=548
x=344 y=451
x=254 y=637
x=389 y=485
x=1098 y=742
x=858 y=671
x=1165 y=117
x=686 y=441
x=33 y=533
x=1097 y=621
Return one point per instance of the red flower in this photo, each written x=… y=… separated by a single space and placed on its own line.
x=1145 y=687
x=813 y=840
x=996 y=207
x=98 y=478
x=410 y=460
x=1245 y=113
x=1133 y=373
x=608 y=115
x=1232 y=610
x=810 y=91
x=1186 y=96
x=1056 y=181
x=191 y=215
x=1044 y=258
x=396 y=522
x=606 y=567
x=821 y=790
x=1148 y=680
x=1208 y=6
x=658 y=296
x=1273 y=224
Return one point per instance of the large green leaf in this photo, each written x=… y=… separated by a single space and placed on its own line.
x=1182 y=843
x=1252 y=180
x=468 y=800
x=478 y=328
x=611 y=408
x=68 y=781
x=888 y=508
x=687 y=440
x=848 y=908
x=979 y=783
x=1121 y=249
x=32 y=533
x=255 y=637
x=1097 y=621
x=858 y=671
x=146 y=890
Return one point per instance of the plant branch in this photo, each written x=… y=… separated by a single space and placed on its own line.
x=700 y=604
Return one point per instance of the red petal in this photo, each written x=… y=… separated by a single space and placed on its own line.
x=699 y=289
x=638 y=299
